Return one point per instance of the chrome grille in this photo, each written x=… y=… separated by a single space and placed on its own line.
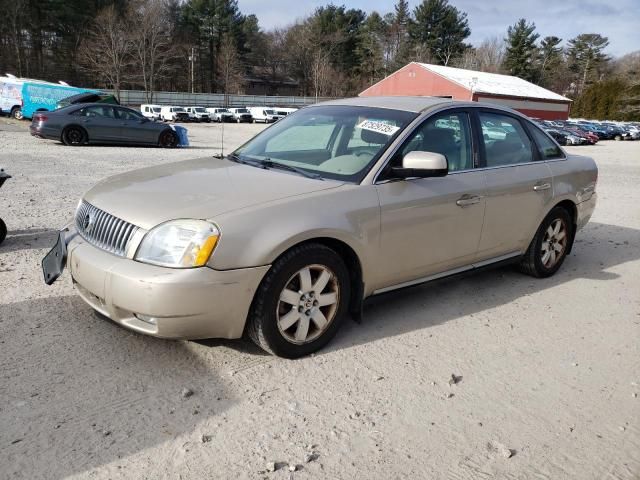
x=104 y=230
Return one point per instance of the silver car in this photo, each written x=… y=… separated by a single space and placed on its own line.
x=288 y=235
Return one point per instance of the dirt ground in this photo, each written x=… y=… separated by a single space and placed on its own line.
x=548 y=371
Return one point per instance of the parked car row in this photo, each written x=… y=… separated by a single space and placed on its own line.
x=171 y=113
x=583 y=132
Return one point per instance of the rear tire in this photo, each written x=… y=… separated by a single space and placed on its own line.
x=74 y=136
x=16 y=112
x=3 y=231
x=549 y=246
x=168 y=139
x=301 y=302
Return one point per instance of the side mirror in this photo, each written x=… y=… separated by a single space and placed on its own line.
x=422 y=165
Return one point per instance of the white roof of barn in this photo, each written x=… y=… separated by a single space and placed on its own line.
x=493 y=83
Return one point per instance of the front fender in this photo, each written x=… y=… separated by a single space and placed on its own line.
x=258 y=235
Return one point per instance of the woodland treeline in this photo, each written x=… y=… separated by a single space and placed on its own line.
x=211 y=46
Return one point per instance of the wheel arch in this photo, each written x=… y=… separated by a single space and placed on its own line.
x=352 y=262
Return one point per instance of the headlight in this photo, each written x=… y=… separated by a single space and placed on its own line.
x=179 y=244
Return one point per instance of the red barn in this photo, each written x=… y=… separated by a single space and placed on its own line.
x=423 y=79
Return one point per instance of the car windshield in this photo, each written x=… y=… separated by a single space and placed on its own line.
x=269 y=112
x=178 y=109
x=156 y=109
x=242 y=110
x=339 y=142
x=222 y=110
x=199 y=109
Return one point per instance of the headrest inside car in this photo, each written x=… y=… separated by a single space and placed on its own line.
x=369 y=136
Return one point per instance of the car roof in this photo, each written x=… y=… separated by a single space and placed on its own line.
x=415 y=104
x=409 y=104
x=96 y=104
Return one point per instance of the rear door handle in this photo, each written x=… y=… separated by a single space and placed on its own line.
x=541 y=186
x=466 y=200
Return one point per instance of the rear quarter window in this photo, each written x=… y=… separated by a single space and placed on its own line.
x=546 y=147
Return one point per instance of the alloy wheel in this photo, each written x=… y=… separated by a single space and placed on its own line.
x=168 y=140
x=308 y=304
x=75 y=136
x=554 y=243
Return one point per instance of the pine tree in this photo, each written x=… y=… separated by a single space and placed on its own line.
x=440 y=30
x=370 y=39
x=521 y=50
x=549 y=58
x=586 y=58
x=399 y=32
x=207 y=22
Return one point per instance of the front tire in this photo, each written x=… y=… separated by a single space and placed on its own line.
x=301 y=302
x=3 y=231
x=549 y=246
x=74 y=136
x=168 y=139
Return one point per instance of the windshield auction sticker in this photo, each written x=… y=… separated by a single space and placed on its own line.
x=379 y=127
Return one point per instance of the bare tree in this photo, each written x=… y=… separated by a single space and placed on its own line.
x=490 y=54
x=152 y=44
x=487 y=57
x=14 y=16
x=320 y=72
x=107 y=49
x=229 y=66
x=275 y=52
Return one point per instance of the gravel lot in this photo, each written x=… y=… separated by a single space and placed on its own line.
x=548 y=371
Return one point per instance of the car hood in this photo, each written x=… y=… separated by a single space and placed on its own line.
x=203 y=189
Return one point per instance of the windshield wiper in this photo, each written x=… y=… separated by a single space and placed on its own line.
x=268 y=163
x=235 y=158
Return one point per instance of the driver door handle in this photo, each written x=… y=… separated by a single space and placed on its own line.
x=467 y=200
x=541 y=186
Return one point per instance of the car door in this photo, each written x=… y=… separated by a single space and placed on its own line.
x=519 y=186
x=101 y=123
x=135 y=128
x=432 y=225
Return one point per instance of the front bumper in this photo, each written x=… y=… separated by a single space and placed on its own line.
x=184 y=303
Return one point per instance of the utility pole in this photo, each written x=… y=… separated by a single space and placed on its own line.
x=192 y=59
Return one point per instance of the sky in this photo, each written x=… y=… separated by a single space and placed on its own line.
x=619 y=20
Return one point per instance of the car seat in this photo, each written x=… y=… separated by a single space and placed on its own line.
x=442 y=141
